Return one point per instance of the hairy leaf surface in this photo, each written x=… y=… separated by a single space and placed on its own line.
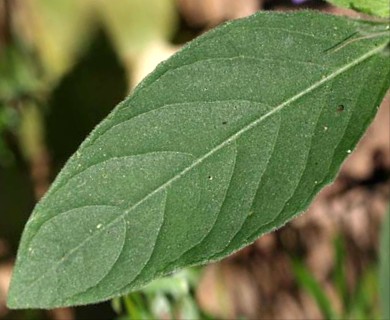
x=229 y=139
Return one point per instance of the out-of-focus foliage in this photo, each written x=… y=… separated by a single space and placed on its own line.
x=125 y=20
x=59 y=69
x=166 y=298
x=8 y=122
x=140 y=31
x=18 y=75
x=359 y=303
x=31 y=131
x=306 y=280
x=16 y=200
x=83 y=97
x=58 y=30
x=384 y=281
x=380 y=8
x=43 y=57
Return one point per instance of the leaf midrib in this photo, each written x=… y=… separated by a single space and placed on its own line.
x=218 y=147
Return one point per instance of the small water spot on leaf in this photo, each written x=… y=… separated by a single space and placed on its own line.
x=210 y=177
x=349 y=151
x=99 y=226
x=326 y=128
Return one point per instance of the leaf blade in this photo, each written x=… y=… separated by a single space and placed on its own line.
x=190 y=136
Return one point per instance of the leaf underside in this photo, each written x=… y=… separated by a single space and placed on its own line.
x=229 y=139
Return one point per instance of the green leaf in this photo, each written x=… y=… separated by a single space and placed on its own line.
x=384 y=270
x=229 y=139
x=380 y=8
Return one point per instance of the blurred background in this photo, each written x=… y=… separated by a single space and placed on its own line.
x=64 y=64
